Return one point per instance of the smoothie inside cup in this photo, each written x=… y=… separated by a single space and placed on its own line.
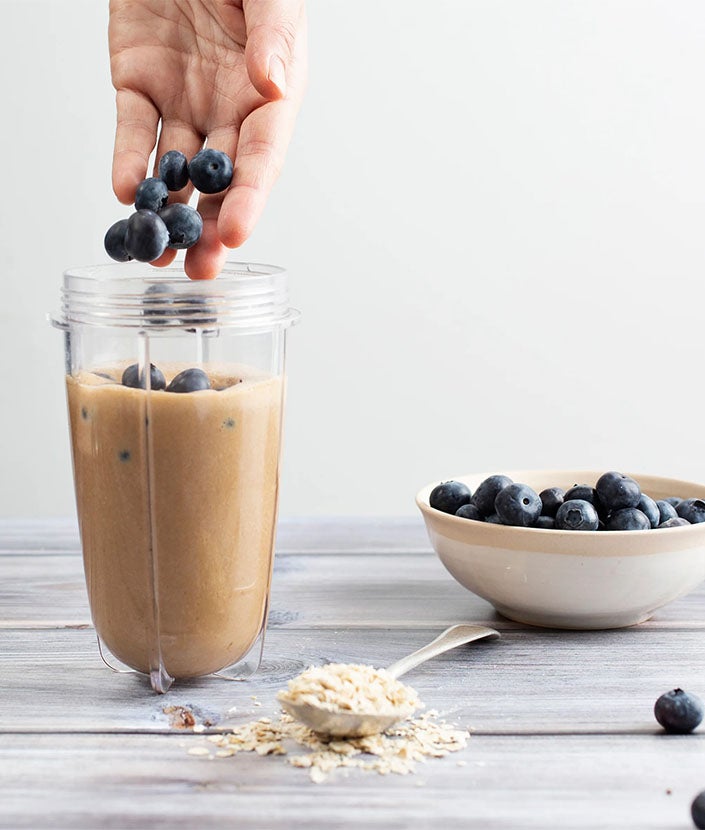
x=176 y=480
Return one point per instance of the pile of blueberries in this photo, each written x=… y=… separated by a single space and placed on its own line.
x=190 y=380
x=614 y=503
x=156 y=225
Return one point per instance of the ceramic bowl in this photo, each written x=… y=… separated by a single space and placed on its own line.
x=570 y=579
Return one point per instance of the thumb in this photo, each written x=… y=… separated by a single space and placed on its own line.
x=272 y=27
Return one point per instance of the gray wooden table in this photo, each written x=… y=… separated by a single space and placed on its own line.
x=562 y=731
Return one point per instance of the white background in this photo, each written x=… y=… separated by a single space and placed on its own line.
x=493 y=214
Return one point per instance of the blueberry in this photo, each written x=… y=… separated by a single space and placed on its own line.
x=616 y=491
x=131 y=377
x=518 y=505
x=194 y=309
x=666 y=510
x=450 y=496
x=493 y=519
x=674 y=500
x=678 y=711
x=190 y=380
x=551 y=499
x=184 y=224
x=628 y=518
x=115 y=241
x=173 y=170
x=469 y=511
x=210 y=171
x=650 y=509
x=693 y=510
x=147 y=237
x=487 y=491
x=152 y=194
x=676 y=522
x=157 y=301
x=545 y=522
x=577 y=514
x=697 y=810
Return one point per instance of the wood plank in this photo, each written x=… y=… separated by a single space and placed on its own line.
x=530 y=681
x=508 y=783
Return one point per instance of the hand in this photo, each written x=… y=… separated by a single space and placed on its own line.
x=226 y=71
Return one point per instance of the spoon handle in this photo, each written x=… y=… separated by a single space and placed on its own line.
x=456 y=635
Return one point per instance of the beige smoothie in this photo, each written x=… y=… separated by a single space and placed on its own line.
x=177 y=498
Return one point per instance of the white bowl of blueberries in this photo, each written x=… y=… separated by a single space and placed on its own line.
x=569 y=549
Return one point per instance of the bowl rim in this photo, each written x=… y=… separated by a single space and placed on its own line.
x=423 y=494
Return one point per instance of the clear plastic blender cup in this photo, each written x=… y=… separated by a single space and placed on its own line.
x=175 y=394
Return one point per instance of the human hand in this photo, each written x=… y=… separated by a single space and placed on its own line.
x=230 y=72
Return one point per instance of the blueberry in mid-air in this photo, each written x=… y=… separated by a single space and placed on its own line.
x=190 y=380
x=152 y=194
x=692 y=509
x=675 y=522
x=650 y=509
x=147 y=237
x=469 y=511
x=185 y=225
x=450 y=496
x=551 y=499
x=210 y=171
x=577 y=514
x=487 y=491
x=137 y=380
x=697 y=810
x=173 y=170
x=545 y=522
x=628 y=518
x=115 y=241
x=678 y=711
x=666 y=510
x=518 y=505
x=616 y=491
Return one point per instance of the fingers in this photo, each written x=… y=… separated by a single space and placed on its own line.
x=272 y=27
x=264 y=137
x=135 y=136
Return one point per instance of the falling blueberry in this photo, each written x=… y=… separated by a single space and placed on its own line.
x=678 y=711
x=210 y=171
x=449 y=496
x=173 y=170
x=184 y=224
x=133 y=378
x=693 y=510
x=469 y=511
x=115 y=241
x=551 y=499
x=147 y=237
x=487 y=491
x=152 y=194
x=616 y=491
x=190 y=380
x=628 y=518
x=518 y=505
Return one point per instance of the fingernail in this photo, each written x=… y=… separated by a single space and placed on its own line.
x=277 y=74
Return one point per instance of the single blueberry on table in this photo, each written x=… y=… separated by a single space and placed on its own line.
x=133 y=378
x=147 y=237
x=450 y=496
x=628 y=518
x=577 y=514
x=675 y=522
x=152 y=194
x=650 y=509
x=115 y=241
x=693 y=510
x=469 y=511
x=487 y=491
x=666 y=510
x=697 y=810
x=190 y=380
x=518 y=505
x=545 y=522
x=210 y=171
x=678 y=711
x=617 y=491
x=185 y=225
x=551 y=499
x=173 y=170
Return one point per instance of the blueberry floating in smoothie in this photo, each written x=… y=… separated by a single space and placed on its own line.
x=190 y=380
x=146 y=237
x=210 y=171
x=678 y=711
x=115 y=241
x=152 y=194
x=132 y=377
x=173 y=170
x=184 y=225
